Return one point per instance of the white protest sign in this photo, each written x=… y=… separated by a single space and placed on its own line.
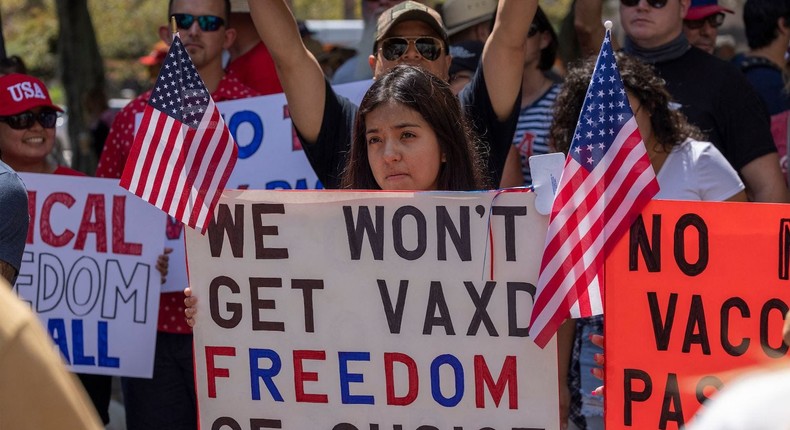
x=89 y=272
x=270 y=157
x=371 y=310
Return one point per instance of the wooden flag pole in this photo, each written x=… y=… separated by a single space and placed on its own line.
x=173 y=27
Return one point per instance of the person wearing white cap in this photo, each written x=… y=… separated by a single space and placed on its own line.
x=702 y=22
x=408 y=33
x=468 y=19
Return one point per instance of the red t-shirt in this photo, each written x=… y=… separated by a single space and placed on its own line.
x=63 y=170
x=113 y=159
x=256 y=70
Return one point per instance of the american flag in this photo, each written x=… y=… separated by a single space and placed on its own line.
x=606 y=181
x=183 y=153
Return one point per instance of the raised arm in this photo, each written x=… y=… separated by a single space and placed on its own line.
x=588 y=22
x=503 y=54
x=300 y=74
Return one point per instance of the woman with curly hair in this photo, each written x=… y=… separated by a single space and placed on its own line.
x=687 y=168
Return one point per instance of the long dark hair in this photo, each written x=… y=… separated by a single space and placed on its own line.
x=431 y=97
x=670 y=126
x=548 y=54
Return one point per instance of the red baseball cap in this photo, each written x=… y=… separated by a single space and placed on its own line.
x=19 y=93
x=156 y=56
x=701 y=9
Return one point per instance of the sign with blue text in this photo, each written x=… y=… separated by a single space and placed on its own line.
x=371 y=310
x=89 y=272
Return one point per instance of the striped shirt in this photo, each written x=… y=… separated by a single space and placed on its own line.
x=532 y=129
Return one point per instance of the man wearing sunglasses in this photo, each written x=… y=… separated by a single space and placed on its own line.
x=167 y=401
x=702 y=23
x=408 y=33
x=712 y=93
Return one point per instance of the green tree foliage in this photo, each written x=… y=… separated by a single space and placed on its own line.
x=30 y=31
x=318 y=9
x=127 y=28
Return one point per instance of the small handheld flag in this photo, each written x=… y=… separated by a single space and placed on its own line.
x=606 y=182
x=183 y=153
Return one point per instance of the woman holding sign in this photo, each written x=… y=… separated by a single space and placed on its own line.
x=409 y=134
x=686 y=167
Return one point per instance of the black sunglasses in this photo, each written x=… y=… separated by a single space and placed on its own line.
x=658 y=4
x=24 y=120
x=206 y=22
x=715 y=21
x=393 y=48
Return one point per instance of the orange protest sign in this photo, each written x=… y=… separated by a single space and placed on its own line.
x=694 y=292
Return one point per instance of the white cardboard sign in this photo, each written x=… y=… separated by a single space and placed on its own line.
x=371 y=310
x=89 y=272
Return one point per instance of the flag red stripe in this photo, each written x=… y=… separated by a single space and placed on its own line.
x=207 y=147
x=229 y=157
x=178 y=166
x=215 y=155
x=225 y=160
x=159 y=177
x=195 y=157
x=152 y=133
x=138 y=150
x=146 y=167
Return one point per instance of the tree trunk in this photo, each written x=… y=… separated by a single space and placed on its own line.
x=349 y=7
x=81 y=71
x=2 y=39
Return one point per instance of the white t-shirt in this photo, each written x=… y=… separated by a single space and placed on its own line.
x=697 y=171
